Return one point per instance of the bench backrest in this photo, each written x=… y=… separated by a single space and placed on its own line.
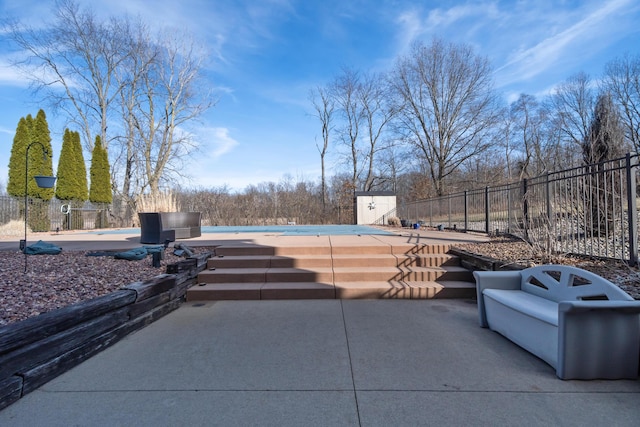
x=566 y=283
x=150 y=220
x=171 y=220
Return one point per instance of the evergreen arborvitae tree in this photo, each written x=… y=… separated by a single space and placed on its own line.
x=15 y=185
x=72 y=172
x=605 y=140
x=40 y=163
x=72 y=177
x=28 y=132
x=40 y=158
x=100 y=189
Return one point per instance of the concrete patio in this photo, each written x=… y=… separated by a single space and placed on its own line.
x=317 y=363
x=321 y=363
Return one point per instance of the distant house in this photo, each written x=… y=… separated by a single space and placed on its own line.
x=374 y=207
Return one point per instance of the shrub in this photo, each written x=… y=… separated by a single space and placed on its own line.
x=394 y=221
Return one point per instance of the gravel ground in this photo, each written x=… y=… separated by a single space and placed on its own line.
x=55 y=281
x=518 y=252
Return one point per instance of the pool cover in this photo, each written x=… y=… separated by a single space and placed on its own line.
x=285 y=230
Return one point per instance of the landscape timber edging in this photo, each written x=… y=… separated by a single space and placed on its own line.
x=472 y=261
x=38 y=349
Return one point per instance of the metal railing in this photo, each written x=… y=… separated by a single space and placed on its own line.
x=54 y=214
x=589 y=210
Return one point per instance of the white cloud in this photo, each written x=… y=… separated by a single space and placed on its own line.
x=458 y=22
x=529 y=62
x=216 y=142
x=11 y=76
x=526 y=40
x=447 y=17
x=410 y=28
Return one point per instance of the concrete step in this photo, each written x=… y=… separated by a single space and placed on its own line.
x=269 y=261
x=317 y=274
x=233 y=275
x=239 y=261
x=301 y=261
x=324 y=274
x=257 y=275
x=244 y=250
x=438 y=260
x=302 y=250
x=250 y=249
x=422 y=249
x=249 y=271
x=341 y=290
x=404 y=290
x=364 y=261
x=298 y=290
x=430 y=274
x=442 y=289
x=224 y=291
x=261 y=291
x=406 y=274
x=339 y=261
x=394 y=289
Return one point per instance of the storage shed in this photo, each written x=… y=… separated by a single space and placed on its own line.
x=374 y=207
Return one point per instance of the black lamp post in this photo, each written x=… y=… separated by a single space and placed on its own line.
x=42 y=182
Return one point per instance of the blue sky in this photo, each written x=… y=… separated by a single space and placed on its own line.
x=265 y=56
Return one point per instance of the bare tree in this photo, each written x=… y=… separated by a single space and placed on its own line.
x=72 y=64
x=363 y=114
x=377 y=113
x=114 y=75
x=505 y=131
x=448 y=105
x=126 y=155
x=622 y=81
x=324 y=107
x=528 y=118
x=573 y=102
x=391 y=166
x=172 y=96
x=345 y=90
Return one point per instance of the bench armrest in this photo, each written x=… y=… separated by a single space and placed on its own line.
x=603 y=331
x=630 y=307
x=508 y=280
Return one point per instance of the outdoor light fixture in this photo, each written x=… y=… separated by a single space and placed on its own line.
x=42 y=182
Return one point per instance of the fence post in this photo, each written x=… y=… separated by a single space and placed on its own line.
x=548 y=197
x=525 y=209
x=486 y=210
x=632 y=209
x=550 y=221
x=509 y=209
x=466 y=211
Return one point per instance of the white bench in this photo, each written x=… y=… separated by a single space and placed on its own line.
x=578 y=322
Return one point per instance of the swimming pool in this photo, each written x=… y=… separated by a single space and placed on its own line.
x=298 y=230
x=285 y=230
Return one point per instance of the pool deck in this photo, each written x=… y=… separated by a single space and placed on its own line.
x=130 y=238
x=317 y=363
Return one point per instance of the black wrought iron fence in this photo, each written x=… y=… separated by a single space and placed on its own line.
x=55 y=214
x=589 y=210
